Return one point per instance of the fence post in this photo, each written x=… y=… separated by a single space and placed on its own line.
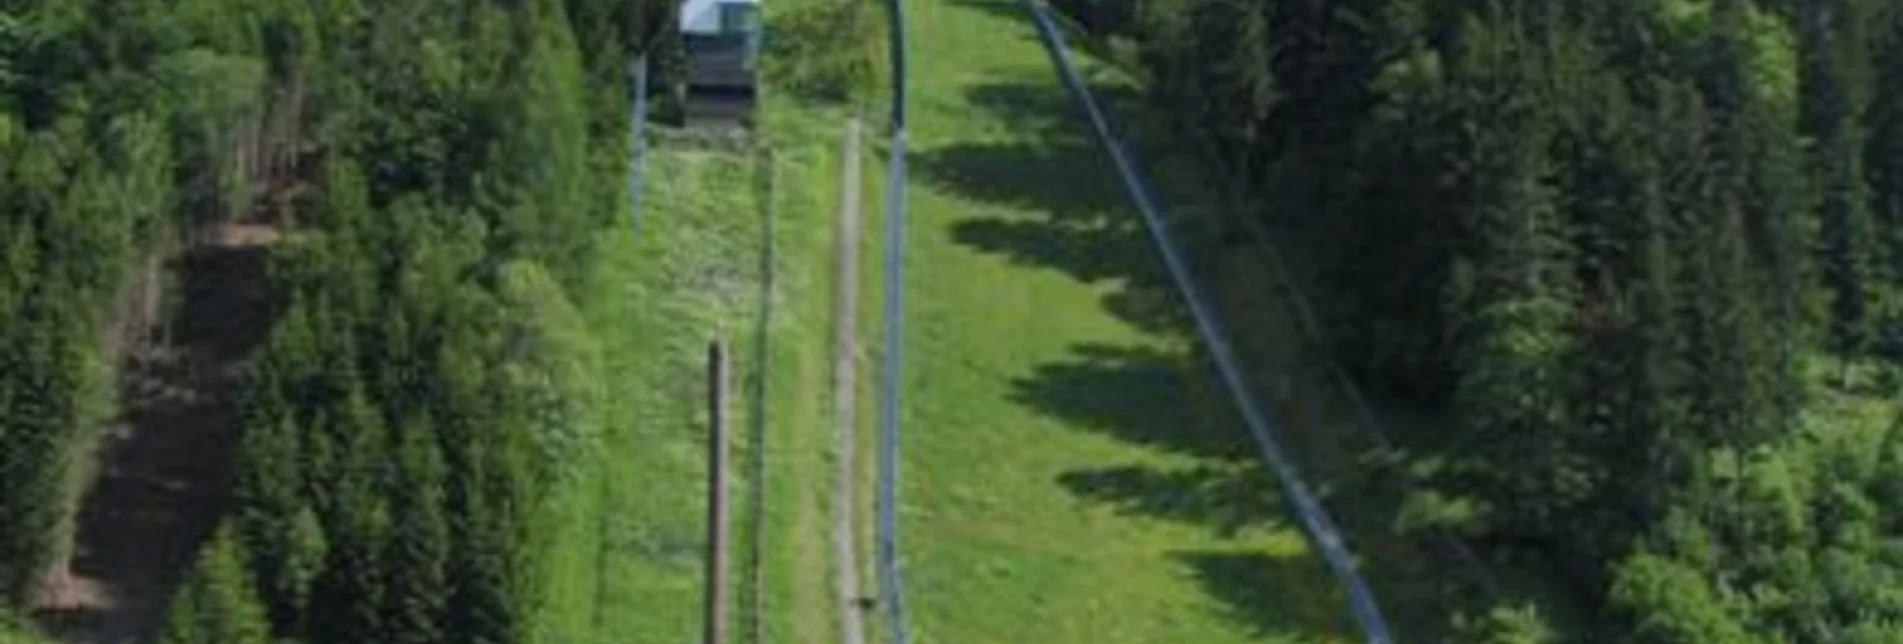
x=717 y=565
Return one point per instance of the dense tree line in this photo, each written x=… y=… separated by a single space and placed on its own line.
x=420 y=395
x=426 y=382
x=98 y=108
x=1606 y=239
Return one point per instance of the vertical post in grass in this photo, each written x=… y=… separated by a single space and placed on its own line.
x=717 y=604
x=637 y=137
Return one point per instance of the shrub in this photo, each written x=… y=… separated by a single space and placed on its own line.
x=826 y=50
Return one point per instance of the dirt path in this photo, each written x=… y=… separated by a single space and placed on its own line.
x=845 y=351
x=165 y=470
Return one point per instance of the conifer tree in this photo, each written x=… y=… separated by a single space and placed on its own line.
x=1884 y=150
x=418 y=589
x=269 y=489
x=349 y=600
x=1227 y=77
x=1755 y=233
x=218 y=602
x=40 y=412
x=541 y=153
x=1836 y=91
x=1512 y=291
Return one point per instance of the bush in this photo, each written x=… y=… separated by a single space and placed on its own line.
x=826 y=50
x=555 y=368
x=14 y=630
x=1506 y=624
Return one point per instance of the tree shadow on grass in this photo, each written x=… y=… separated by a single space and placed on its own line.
x=1254 y=589
x=1053 y=165
x=1230 y=497
x=1075 y=218
x=1141 y=395
x=1163 y=399
x=1080 y=251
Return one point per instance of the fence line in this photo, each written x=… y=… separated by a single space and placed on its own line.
x=1312 y=516
x=766 y=172
x=891 y=590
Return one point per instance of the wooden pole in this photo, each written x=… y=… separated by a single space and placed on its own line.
x=717 y=515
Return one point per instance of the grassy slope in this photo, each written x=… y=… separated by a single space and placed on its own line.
x=630 y=569
x=799 y=433
x=627 y=564
x=1060 y=459
x=1420 y=580
x=1063 y=464
x=12 y=631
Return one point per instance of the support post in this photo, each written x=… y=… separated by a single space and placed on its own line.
x=717 y=516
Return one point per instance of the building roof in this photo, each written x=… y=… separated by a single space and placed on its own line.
x=703 y=16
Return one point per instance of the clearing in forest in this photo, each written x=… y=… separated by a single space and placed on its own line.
x=163 y=469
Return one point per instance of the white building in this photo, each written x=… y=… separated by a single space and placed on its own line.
x=719 y=17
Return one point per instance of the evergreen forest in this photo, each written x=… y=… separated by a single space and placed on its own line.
x=1634 y=258
x=438 y=170
x=1634 y=266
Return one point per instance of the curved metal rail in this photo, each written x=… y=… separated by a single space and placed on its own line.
x=887 y=554
x=1313 y=518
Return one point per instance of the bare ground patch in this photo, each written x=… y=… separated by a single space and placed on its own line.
x=164 y=469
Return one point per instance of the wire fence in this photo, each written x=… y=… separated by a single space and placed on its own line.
x=1367 y=419
x=887 y=551
x=1298 y=302
x=754 y=581
x=1309 y=511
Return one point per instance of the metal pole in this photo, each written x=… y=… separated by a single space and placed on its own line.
x=717 y=516
x=637 y=139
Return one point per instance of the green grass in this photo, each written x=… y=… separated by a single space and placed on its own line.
x=1072 y=473
x=13 y=630
x=797 y=391
x=1419 y=579
x=1421 y=582
x=627 y=559
x=628 y=565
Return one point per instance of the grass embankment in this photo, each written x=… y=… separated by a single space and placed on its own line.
x=1072 y=471
x=800 y=458
x=1421 y=578
x=705 y=263
x=1355 y=452
x=660 y=295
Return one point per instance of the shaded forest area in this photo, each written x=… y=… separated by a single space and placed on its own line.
x=437 y=170
x=1627 y=251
